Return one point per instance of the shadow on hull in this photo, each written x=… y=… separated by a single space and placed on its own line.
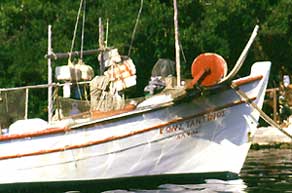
x=127 y=183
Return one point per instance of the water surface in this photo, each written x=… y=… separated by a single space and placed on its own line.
x=268 y=170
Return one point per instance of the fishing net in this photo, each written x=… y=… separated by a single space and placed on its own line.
x=104 y=96
x=12 y=107
x=66 y=107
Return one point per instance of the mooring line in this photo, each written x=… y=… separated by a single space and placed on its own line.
x=263 y=115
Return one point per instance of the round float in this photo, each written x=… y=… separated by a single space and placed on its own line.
x=210 y=65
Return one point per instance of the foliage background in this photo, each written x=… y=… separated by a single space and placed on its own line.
x=219 y=26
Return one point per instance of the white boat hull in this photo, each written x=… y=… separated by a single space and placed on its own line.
x=205 y=134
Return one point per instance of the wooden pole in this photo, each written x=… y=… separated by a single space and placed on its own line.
x=106 y=33
x=177 y=52
x=26 y=103
x=101 y=46
x=274 y=94
x=50 y=88
x=275 y=105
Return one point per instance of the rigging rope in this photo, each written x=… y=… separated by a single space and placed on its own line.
x=135 y=27
x=75 y=29
x=82 y=33
x=80 y=62
x=182 y=51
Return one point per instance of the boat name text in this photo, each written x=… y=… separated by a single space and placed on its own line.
x=190 y=127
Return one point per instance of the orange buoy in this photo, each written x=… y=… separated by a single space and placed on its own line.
x=210 y=65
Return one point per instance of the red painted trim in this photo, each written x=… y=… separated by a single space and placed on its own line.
x=62 y=129
x=35 y=133
x=112 y=138
x=247 y=80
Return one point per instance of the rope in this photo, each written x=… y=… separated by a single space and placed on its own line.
x=182 y=51
x=82 y=35
x=57 y=99
x=75 y=29
x=135 y=27
x=263 y=115
x=80 y=62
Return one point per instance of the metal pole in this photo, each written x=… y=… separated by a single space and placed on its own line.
x=50 y=88
x=177 y=53
x=56 y=56
x=41 y=86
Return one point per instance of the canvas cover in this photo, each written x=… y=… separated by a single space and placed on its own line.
x=163 y=67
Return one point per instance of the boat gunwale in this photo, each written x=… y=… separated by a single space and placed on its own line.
x=132 y=133
x=55 y=130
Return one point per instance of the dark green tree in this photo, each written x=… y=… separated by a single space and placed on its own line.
x=205 y=26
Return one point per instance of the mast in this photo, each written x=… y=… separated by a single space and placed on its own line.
x=177 y=52
x=50 y=88
x=101 y=45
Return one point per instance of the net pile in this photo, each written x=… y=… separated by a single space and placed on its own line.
x=12 y=107
x=104 y=96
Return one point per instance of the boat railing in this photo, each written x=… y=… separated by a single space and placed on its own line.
x=19 y=102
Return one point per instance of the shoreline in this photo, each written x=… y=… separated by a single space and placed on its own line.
x=282 y=145
x=269 y=137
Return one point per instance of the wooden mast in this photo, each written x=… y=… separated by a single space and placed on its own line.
x=177 y=51
x=50 y=88
x=101 y=45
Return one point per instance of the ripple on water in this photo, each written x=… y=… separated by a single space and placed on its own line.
x=268 y=170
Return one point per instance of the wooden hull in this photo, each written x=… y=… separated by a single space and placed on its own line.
x=201 y=135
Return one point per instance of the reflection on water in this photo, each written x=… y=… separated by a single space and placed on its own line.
x=265 y=171
x=268 y=170
x=210 y=185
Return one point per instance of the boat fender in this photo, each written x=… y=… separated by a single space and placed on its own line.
x=28 y=125
x=87 y=72
x=67 y=72
x=208 y=69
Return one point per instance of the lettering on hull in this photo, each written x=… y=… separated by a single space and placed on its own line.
x=190 y=127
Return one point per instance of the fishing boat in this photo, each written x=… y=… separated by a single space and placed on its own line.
x=203 y=125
